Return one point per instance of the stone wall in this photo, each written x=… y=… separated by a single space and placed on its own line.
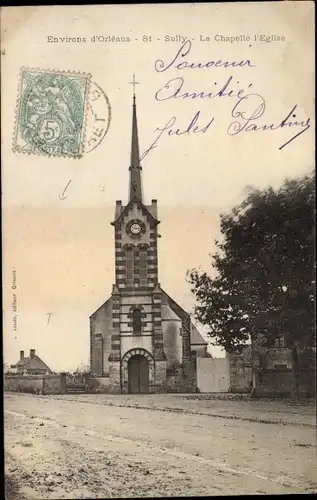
x=275 y=358
x=174 y=379
x=36 y=384
x=182 y=379
x=240 y=368
x=160 y=384
x=272 y=383
x=274 y=377
x=190 y=374
x=98 y=385
x=268 y=371
x=55 y=384
x=115 y=377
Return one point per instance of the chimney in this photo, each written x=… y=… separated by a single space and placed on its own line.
x=32 y=353
x=21 y=354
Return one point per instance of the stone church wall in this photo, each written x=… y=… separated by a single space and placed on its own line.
x=136 y=341
x=172 y=343
x=96 y=354
x=160 y=385
x=134 y=213
x=100 y=342
x=126 y=327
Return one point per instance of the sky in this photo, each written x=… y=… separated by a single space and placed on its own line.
x=62 y=250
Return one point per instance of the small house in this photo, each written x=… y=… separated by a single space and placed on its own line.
x=30 y=365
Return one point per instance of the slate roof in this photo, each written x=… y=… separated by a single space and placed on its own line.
x=29 y=363
x=196 y=337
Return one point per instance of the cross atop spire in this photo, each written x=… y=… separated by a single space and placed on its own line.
x=134 y=83
x=135 y=184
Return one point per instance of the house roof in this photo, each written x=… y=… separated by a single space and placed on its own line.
x=29 y=363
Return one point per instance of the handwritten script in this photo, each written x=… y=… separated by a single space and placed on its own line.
x=249 y=110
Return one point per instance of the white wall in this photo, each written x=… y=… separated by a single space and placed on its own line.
x=213 y=374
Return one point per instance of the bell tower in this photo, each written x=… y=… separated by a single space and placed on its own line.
x=136 y=296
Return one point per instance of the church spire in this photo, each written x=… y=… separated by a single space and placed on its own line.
x=135 y=186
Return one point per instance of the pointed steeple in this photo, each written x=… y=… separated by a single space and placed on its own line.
x=135 y=184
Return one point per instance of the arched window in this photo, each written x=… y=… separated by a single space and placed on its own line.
x=137 y=321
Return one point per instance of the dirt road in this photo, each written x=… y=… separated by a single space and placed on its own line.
x=94 y=446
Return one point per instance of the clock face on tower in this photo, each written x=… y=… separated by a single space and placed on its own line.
x=135 y=228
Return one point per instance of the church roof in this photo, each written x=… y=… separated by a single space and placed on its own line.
x=100 y=307
x=135 y=177
x=196 y=337
x=127 y=207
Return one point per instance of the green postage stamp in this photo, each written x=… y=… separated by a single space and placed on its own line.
x=51 y=113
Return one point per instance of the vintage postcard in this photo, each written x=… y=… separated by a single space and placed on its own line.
x=158 y=249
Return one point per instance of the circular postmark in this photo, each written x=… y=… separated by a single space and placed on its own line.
x=98 y=117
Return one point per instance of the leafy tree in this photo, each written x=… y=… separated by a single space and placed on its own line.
x=264 y=272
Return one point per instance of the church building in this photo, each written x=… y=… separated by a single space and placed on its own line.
x=141 y=340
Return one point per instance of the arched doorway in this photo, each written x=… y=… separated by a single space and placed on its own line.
x=137 y=351
x=138 y=374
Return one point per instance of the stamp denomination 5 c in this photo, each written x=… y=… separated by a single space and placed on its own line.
x=51 y=113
